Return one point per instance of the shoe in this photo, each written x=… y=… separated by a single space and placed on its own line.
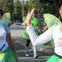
x=26 y=55
x=35 y=57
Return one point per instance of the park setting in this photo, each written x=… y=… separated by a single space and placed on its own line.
x=30 y=30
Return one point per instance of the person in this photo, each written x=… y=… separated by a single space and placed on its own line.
x=26 y=37
x=7 y=50
x=47 y=36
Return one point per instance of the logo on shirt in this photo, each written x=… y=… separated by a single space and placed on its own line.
x=60 y=38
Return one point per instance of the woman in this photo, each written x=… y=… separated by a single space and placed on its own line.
x=7 y=51
x=54 y=32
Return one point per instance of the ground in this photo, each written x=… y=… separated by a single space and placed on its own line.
x=44 y=52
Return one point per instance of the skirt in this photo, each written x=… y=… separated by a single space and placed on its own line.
x=54 y=58
x=8 y=56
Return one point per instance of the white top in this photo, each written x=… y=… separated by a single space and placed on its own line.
x=3 y=41
x=46 y=36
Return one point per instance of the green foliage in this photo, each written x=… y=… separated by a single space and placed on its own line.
x=32 y=4
x=51 y=6
x=6 y=5
x=17 y=11
x=44 y=6
x=13 y=8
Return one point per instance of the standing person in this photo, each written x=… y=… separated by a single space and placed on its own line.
x=26 y=37
x=7 y=50
x=46 y=36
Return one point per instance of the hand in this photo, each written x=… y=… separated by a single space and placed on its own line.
x=1 y=37
x=29 y=17
x=24 y=25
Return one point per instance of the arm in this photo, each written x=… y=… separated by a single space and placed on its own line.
x=9 y=39
x=24 y=25
x=10 y=42
x=39 y=40
x=45 y=37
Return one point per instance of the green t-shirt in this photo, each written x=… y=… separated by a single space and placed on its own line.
x=34 y=23
x=25 y=35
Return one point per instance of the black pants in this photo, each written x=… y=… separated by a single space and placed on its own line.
x=27 y=42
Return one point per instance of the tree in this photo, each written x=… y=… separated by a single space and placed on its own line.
x=13 y=8
x=7 y=6
x=51 y=6
x=17 y=11
x=32 y=4
x=44 y=6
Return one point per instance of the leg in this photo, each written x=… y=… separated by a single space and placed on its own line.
x=27 y=43
x=35 y=51
x=27 y=46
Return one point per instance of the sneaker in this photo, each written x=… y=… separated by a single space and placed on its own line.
x=35 y=57
x=26 y=51
x=26 y=55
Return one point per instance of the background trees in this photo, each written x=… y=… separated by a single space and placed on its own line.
x=13 y=7
x=44 y=6
x=17 y=11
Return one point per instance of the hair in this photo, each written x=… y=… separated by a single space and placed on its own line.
x=40 y=15
x=60 y=3
x=1 y=12
x=59 y=11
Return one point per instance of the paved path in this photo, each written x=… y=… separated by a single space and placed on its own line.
x=43 y=55
x=44 y=52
